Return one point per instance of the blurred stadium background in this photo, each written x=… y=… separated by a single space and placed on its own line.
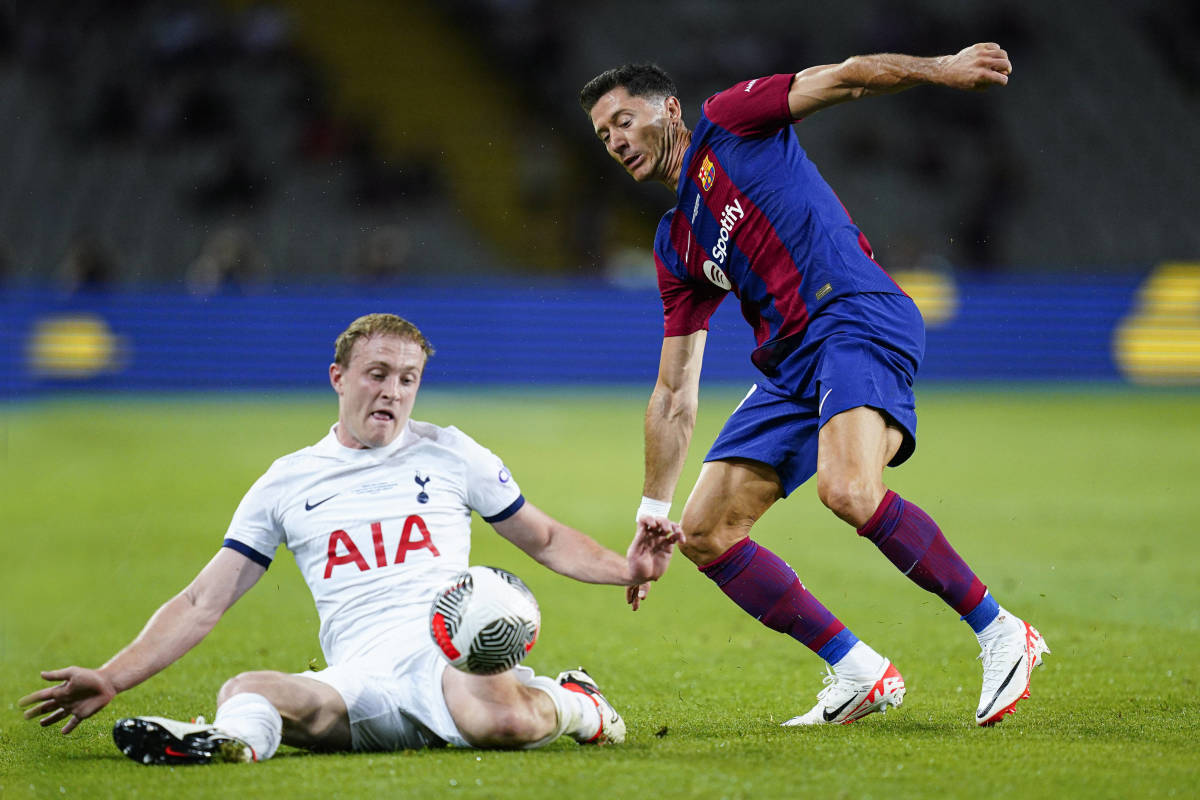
x=199 y=195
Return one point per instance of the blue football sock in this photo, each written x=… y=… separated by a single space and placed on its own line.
x=837 y=647
x=983 y=614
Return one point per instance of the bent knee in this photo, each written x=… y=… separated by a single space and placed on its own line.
x=258 y=682
x=508 y=726
x=853 y=500
x=729 y=497
x=704 y=542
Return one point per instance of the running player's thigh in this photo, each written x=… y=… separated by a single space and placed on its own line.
x=314 y=713
x=729 y=497
x=854 y=446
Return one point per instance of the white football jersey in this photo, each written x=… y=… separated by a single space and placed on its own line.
x=375 y=532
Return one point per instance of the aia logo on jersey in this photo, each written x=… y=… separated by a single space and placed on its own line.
x=708 y=173
x=414 y=535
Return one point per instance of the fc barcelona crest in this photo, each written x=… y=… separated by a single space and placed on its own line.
x=708 y=173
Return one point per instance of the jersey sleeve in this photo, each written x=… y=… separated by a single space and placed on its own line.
x=753 y=107
x=687 y=305
x=255 y=530
x=492 y=492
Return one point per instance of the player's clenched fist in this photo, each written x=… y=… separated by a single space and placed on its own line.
x=979 y=66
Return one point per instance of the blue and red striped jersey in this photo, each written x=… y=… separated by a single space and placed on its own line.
x=755 y=218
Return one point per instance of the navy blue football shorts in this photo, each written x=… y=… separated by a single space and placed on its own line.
x=861 y=350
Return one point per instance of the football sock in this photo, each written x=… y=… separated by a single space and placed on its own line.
x=253 y=719
x=577 y=714
x=861 y=663
x=768 y=589
x=912 y=541
x=1002 y=620
x=983 y=615
x=839 y=647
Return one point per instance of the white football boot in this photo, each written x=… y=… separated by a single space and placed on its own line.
x=158 y=740
x=612 y=727
x=843 y=700
x=1009 y=654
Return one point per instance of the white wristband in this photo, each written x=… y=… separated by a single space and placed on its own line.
x=653 y=508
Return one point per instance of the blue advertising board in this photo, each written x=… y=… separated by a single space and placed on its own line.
x=1144 y=328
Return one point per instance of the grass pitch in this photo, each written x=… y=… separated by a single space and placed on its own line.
x=1077 y=507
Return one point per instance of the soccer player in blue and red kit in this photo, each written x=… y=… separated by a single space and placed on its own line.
x=839 y=344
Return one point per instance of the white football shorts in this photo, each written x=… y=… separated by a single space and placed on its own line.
x=397 y=706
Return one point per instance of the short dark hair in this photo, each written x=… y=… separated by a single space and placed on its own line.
x=640 y=80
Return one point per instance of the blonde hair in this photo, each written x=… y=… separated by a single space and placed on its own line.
x=377 y=325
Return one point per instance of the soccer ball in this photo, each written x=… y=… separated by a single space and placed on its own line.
x=485 y=620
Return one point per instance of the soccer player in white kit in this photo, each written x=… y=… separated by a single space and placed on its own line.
x=377 y=515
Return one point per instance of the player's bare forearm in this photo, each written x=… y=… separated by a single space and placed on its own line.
x=80 y=692
x=184 y=620
x=575 y=554
x=174 y=629
x=565 y=550
x=171 y=632
x=668 y=434
x=579 y=556
x=671 y=413
x=977 y=67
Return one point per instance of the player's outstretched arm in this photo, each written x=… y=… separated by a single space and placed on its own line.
x=177 y=626
x=575 y=554
x=671 y=414
x=670 y=418
x=977 y=67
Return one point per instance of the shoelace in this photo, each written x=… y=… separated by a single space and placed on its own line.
x=832 y=681
x=994 y=665
x=829 y=679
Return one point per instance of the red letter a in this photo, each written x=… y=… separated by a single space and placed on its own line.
x=406 y=542
x=352 y=554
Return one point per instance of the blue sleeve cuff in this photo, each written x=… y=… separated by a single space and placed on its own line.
x=248 y=551
x=508 y=512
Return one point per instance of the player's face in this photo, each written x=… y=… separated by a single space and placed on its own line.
x=635 y=131
x=376 y=390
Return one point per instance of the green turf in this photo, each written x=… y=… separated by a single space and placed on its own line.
x=1078 y=507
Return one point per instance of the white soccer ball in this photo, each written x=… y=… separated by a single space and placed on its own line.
x=485 y=620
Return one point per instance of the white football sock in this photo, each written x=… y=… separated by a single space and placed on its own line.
x=861 y=663
x=253 y=719
x=578 y=716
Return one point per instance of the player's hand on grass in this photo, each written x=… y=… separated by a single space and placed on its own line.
x=977 y=67
x=82 y=693
x=649 y=554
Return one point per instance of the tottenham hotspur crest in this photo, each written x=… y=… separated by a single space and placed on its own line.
x=422 y=496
